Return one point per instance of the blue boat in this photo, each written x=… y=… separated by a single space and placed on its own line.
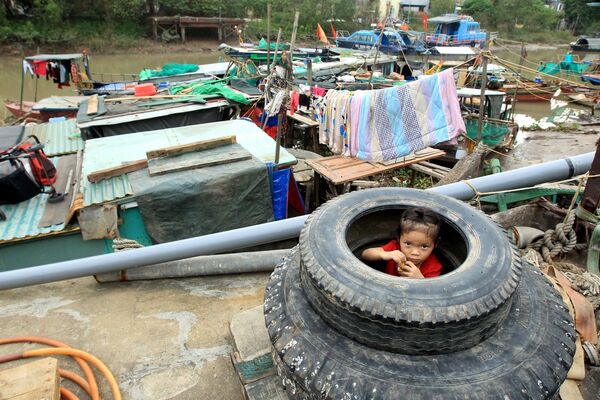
x=392 y=42
x=455 y=30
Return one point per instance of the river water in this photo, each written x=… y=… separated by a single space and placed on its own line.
x=131 y=64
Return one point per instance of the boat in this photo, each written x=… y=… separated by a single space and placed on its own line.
x=587 y=44
x=455 y=30
x=588 y=100
x=393 y=42
x=21 y=109
x=530 y=91
x=259 y=56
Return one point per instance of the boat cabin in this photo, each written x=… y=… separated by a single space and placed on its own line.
x=455 y=30
x=392 y=42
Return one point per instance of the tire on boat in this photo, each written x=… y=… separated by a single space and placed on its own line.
x=527 y=358
x=437 y=315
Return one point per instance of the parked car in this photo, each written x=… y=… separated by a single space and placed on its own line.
x=393 y=42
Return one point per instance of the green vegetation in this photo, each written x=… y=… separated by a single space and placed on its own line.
x=122 y=23
x=581 y=18
x=528 y=20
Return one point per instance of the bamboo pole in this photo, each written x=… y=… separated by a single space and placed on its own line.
x=268 y=34
x=387 y=12
x=22 y=85
x=482 y=96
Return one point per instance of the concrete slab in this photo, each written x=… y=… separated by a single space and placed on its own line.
x=249 y=333
x=164 y=339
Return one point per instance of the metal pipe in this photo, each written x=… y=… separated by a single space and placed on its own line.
x=273 y=231
x=219 y=264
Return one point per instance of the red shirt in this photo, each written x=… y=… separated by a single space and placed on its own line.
x=430 y=267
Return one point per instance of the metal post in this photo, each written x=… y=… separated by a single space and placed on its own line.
x=482 y=96
x=268 y=34
x=273 y=231
x=22 y=85
x=309 y=72
x=278 y=139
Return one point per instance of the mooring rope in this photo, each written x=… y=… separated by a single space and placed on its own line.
x=121 y=244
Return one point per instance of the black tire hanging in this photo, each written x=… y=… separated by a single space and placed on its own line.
x=527 y=358
x=437 y=315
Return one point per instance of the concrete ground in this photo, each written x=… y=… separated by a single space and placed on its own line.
x=163 y=339
x=536 y=147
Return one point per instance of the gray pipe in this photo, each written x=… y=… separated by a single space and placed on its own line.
x=219 y=264
x=272 y=231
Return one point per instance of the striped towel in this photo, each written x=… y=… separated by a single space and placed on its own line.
x=397 y=121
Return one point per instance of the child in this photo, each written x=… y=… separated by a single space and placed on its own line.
x=410 y=256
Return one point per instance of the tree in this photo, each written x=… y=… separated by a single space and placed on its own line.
x=440 y=7
x=581 y=18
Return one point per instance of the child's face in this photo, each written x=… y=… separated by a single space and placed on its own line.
x=416 y=245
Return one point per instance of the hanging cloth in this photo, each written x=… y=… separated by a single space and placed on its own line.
x=27 y=67
x=39 y=67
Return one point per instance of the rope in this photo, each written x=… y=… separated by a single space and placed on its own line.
x=120 y=244
x=560 y=240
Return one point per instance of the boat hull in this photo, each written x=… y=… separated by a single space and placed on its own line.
x=22 y=110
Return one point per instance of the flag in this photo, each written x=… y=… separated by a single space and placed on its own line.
x=424 y=22
x=321 y=34
x=333 y=33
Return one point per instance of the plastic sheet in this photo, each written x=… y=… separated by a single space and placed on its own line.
x=280 y=180
x=201 y=201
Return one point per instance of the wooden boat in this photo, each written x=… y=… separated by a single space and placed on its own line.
x=587 y=100
x=22 y=110
x=530 y=91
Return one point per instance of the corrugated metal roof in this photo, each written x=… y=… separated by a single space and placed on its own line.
x=445 y=19
x=59 y=138
x=72 y=56
x=22 y=219
x=113 y=151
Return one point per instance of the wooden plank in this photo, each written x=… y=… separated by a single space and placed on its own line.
x=207 y=158
x=92 y=107
x=348 y=169
x=36 y=380
x=187 y=148
x=116 y=171
x=269 y=388
x=301 y=118
x=569 y=390
x=67 y=174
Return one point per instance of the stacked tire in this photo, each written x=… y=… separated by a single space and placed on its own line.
x=493 y=328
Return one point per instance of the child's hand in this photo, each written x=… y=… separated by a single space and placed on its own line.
x=410 y=270
x=396 y=255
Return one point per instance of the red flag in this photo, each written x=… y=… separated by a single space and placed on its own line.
x=333 y=33
x=321 y=34
x=424 y=22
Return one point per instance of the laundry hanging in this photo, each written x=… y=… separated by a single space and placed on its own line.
x=385 y=124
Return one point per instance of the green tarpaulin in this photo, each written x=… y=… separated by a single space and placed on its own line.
x=168 y=70
x=491 y=134
x=212 y=88
x=262 y=45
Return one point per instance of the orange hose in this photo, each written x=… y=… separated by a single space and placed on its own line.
x=67 y=394
x=89 y=374
x=114 y=387
x=75 y=378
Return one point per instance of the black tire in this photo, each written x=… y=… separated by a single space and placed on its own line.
x=437 y=315
x=527 y=358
